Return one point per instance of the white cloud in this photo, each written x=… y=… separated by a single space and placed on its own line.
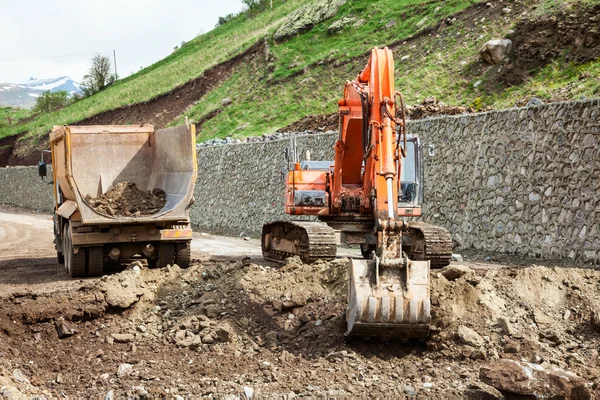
x=141 y=31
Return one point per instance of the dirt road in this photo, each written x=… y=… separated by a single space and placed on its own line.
x=234 y=325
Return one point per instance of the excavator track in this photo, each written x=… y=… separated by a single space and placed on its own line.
x=311 y=241
x=429 y=243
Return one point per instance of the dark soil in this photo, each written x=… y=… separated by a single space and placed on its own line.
x=537 y=42
x=429 y=107
x=125 y=199
x=163 y=109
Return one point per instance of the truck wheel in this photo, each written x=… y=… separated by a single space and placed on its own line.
x=95 y=261
x=165 y=255
x=183 y=254
x=74 y=263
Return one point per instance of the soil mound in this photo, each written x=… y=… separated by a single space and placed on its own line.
x=539 y=41
x=125 y=199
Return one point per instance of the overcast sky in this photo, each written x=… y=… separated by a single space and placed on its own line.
x=45 y=32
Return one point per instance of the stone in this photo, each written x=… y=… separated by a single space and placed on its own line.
x=506 y=10
x=123 y=337
x=340 y=24
x=506 y=325
x=207 y=339
x=110 y=395
x=20 y=377
x=304 y=18
x=457 y=258
x=595 y=318
x=512 y=346
x=63 y=330
x=534 y=102
x=483 y=391
x=496 y=50
x=248 y=392
x=124 y=369
x=453 y=272
x=527 y=379
x=226 y=101
x=391 y=23
x=468 y=336
x=404 y=58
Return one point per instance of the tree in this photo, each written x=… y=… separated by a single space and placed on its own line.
x=98 y=77
x=50 y=101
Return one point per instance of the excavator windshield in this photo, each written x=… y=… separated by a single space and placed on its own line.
x=409 y=176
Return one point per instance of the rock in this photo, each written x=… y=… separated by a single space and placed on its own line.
x=506 y=10
x=207 y=339
x=468 y=336
x=477 y=84
x=114 y=294
x=359 y=23
x=457 y=258
x=506 y=326
x=526 y=379
x=496 y=50
x=63 y=330
x=305 y=18
x=124 y=369
x=20 y=377
x=534 y=102
x=390 y=24
x=123 y=337
x=141 y=328
x=340 y=24
x=248 y=392
x=110 y=395
x=136 y=270
x=226 y=101
x=404 y=58
x=410 y=391
x=482 y=391
x=59 y=378
x=512 y=346
x=595 y=318
x=453 y=272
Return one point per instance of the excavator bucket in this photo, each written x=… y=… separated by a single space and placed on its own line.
x=389 y=302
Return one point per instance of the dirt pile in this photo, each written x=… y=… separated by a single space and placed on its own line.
x=431 y=107
x=572 y=33
x=238 y=326
x=125 y=199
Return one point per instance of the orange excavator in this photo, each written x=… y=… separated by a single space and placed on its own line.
x=368 y=193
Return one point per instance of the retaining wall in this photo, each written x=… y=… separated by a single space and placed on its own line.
x=522 y=180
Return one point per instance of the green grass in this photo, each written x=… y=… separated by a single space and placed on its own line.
x=306 y=74
x=10 y=116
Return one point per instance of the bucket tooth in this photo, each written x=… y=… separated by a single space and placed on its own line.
x=395 y=305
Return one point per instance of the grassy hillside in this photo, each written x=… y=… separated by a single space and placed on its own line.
x=305 y=74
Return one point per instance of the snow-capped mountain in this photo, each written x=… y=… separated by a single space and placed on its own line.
x=53 y=84
x=23 y=94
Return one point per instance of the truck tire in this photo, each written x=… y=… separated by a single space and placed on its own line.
x=74 y=263
x=95 y=261
x=165 y=256
x=183 y=254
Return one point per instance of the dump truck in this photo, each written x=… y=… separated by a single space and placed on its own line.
x=88 y=161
